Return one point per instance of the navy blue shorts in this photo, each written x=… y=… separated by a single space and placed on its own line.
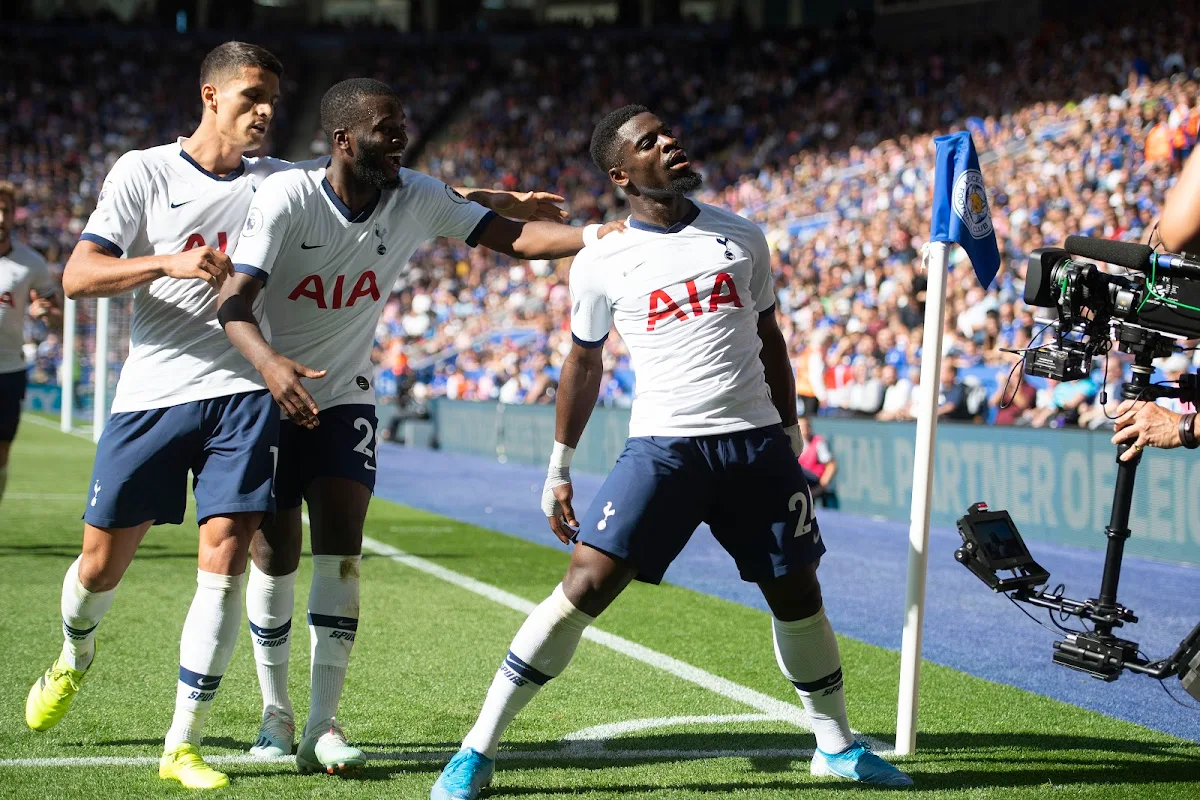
x=229 y=444
x=12 y=393
x=747 y=486
x=342 y=446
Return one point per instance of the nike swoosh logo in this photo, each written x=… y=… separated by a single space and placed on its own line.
x=184 y=203
x=208 y=683
x=304 y=246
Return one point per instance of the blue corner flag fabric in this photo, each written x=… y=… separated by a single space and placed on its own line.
x=960 y=206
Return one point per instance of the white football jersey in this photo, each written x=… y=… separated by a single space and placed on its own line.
x=161 y=202
x=328 y=274
x=21 y=269
x=686 y=302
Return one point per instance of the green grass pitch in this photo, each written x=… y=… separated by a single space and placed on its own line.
x=427 y=650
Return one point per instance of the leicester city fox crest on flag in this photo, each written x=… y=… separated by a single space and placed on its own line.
x=971 y=205
x=960 y=207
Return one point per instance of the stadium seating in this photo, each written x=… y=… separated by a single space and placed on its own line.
x=822 y=140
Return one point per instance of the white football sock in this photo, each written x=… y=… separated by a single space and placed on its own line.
x=81 y=613
x=3 y=480
x=807 y=652
x=209 y=635
x=269 y=603
x=541 y=650
x=332 y=626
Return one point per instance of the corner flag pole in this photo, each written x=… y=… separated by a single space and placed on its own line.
x=960 y=214
x=918 y=525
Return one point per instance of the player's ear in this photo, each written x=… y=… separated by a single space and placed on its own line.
x=619 y=176
x=341 y=139
x=208 y=96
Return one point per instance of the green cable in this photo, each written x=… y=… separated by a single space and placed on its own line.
x=1151 y=291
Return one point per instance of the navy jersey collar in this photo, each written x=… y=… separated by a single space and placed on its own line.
x=688 y=219
x=344 y=209
x=237 y=173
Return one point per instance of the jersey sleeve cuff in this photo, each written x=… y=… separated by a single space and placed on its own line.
x=108 y=245
x=252 y=271
x=768 y=310
x=473 y=239
x=589 y=345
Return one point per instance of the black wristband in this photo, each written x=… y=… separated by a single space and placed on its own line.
x=1187 y=431
x=235 y=309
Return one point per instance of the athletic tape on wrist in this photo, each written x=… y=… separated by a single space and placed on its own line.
x=591 y=234
x=560 y=464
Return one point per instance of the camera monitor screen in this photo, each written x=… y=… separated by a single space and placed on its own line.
x=1000 y=542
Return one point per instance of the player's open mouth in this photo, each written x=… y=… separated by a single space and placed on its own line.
x=394 y=159
x=259 y=127
x=678 y=160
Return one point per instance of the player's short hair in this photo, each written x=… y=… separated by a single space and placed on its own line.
x=7 y=189
x=342 y=105
x=605 y=148
x=229 y=58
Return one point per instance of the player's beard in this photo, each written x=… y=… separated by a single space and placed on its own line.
x=685 y=183
x=370 y=168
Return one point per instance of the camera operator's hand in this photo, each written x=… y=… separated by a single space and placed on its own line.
x=1143 y=424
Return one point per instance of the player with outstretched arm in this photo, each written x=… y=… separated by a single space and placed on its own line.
x=322 y=247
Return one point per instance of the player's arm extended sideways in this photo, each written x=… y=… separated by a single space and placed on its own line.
x=92 y=271
x=281 y=374
x=542 y=239
x=531 y=239
x=518 y=205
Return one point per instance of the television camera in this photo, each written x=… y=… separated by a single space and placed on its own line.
x=1144 y=314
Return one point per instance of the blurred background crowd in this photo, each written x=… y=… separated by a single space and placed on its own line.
x=822 y=139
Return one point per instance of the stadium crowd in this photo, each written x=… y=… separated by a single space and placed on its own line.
x=68 y=109
x=825 y=142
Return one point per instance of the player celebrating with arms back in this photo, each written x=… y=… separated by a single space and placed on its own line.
x=332 y=241
x=689 y=289
x=172 y=212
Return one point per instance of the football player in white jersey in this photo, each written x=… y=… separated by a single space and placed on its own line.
x=164 y=221
x=713 y=438
x=328 y=244
x=25 y=287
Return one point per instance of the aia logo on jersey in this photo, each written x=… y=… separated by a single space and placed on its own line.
x=196 y=240
x=663 y=305
x=313 y=288
x=6 y=299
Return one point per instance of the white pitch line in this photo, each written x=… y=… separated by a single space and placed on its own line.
x=598 y=734
x=771 y=708
x=45 y=423
x=775 y=708
x=426 y=756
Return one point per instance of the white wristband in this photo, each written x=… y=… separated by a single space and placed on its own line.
x=591 y=235
x=558 y=474
x=560 y=458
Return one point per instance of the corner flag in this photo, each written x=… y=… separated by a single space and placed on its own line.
x=960 y=206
